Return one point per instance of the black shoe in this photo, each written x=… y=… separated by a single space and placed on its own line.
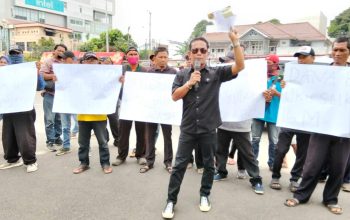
x=116 y=143
x=58 y=141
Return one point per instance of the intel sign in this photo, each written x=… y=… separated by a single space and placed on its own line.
x=55 y=5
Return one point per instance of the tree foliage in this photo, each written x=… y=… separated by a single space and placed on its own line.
x=117 y=42
x=198 y=31
x=43 y=45
x=274 y=21
x=340 y=25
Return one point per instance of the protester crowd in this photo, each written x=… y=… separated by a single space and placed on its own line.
x=319 y=157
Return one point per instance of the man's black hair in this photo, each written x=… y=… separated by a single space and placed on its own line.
x=199 y=39
x=60 y=45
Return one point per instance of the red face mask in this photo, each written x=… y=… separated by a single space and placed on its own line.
x=133 y=60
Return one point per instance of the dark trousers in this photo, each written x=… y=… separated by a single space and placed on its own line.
x=321 y=147
x=114 y=123
x=234 y=147
x=347 y=173
x=123 y=147
x=151 y=132
x=197 y=157
x=206 y=143
x=244 y=146
x=100 y=130
x=18 y=136
x=283 y=146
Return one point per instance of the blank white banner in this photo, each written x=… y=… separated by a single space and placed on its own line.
x=17 y=87
x=316 y=99
x=241 y=98
x=147 y=98
x=86 y=88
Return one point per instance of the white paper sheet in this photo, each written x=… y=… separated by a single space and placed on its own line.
x=147 y=98
x=17 y=87
x=223 y=19
x=86 y=88
x=241 y=98
x=316 y=99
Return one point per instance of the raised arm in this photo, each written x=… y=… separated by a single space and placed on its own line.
x=237 y=50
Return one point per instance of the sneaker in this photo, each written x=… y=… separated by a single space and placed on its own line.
x=63 y=151
x=118 y=162
x=141 y=161
x=242 y=174
x=204 y=204
x=51 y=147
x=168 y=211
x=219 y=177
x=258 y=189
x=293 y=186
x=5 y=166
x=200 y=170
x=58 y=142
x=32 y=167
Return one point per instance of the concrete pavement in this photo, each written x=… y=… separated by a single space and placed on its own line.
x=54 y=192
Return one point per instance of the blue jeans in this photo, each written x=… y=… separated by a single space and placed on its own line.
x=53 y=127
x=65 y=119
x=75 y=129
x=272 y=132
x=100 y=129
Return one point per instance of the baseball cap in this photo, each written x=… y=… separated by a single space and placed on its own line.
x=67 y=54
x=305 y=50
x=89 y=55
x=15 y=49
x=131 y=49
x=273 y=57
x=229 y=57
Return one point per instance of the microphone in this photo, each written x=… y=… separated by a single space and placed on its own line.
x=197 y=67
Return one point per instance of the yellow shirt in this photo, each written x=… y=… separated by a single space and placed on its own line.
x=92 y=117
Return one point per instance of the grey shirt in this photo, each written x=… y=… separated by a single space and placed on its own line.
x=242 y=126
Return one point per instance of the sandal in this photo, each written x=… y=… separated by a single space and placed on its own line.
x=293 y=186
x=275 y=184
x=144 y=169
x=335 y=209
x=169 y=168
x=291 y=202
x=231 y=161
x=81 y=169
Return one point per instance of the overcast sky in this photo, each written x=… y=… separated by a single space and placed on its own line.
x=175 y=19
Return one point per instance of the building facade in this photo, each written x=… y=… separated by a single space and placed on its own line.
x=266 y=38
x=83 y=19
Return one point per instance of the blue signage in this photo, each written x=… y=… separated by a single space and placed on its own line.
x=55 y=5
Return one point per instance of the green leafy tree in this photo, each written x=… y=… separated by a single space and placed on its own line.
x=340 y=25
x=198 y=31
x=274 y=21
x=117 y=42
x=43 y=45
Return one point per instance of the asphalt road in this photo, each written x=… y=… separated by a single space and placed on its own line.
x=54 y=192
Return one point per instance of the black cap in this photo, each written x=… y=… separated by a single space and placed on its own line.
x=67 y=54
x=15 y=49
x=89 y=55
x=131 y=49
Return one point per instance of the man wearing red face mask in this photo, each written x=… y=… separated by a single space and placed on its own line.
x=272 y=97
x=132 y=57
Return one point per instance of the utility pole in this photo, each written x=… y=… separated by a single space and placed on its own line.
x=128 y=37
x=107 y=22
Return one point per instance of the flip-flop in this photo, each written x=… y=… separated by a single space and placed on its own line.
x=144 y=169
x=292 y=202
x=335 y=209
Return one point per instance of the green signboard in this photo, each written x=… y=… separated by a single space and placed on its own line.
x=54 y=5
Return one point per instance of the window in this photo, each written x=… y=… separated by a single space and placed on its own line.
x=28 y=14
x=99 y=16
x=20 y=45
x=76 y=22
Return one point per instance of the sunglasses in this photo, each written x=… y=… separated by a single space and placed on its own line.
x=202 y=50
